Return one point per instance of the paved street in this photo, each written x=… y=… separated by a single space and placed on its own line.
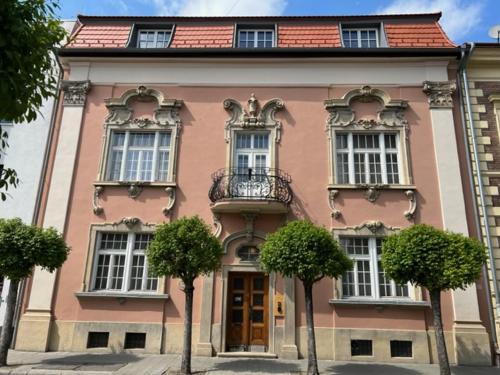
x=131 y=364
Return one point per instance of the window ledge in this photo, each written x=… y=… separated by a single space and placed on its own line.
x=378 y=302
x=122 y=295
x=137 y=183
x=365 y=186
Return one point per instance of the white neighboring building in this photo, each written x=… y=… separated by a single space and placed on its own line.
x=28 y=144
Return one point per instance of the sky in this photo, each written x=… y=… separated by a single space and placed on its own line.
x=463 y=20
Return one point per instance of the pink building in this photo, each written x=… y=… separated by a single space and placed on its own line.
x=250 y=122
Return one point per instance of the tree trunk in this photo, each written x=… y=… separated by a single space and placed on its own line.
x=7 y=329
x=312 y=360
x=188 y=327
x=444 y=365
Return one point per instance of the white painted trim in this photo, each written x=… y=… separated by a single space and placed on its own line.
x=260 y=72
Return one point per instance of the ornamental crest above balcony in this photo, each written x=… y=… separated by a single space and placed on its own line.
x=254 y=117
x=391 y=113
x=121 y=114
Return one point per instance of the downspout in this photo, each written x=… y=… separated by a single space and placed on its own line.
x=36 y=210
x=462 y=70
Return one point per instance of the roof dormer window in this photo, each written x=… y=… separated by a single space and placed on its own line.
x=255 y=38
x=153 y=38
x=360 y=37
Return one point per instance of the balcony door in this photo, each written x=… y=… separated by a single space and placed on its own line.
x=248 y=312
x=251 y=166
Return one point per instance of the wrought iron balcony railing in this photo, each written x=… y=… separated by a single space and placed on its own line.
x=251 y=184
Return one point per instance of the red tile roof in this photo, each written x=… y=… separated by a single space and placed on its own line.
x=202 y=37
x=299 y=32
x=309 y=36
x=100 y=36
x=416 y=35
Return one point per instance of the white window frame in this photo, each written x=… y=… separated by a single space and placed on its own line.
x=125 y=148
x=358 y=34
x=129 y=253
x=373 y=259
x=255 y=41
x=155 y=41
x=381 y=152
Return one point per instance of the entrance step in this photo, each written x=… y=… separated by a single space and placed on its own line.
x=247 y=355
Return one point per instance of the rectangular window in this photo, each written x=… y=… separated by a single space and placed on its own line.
x=367 y=279
x=121 y=264
x=360 y=38
x=255 y=38
x=135 y=340
x=367 y=158
x=139 y=156
x=401 y=348
x=97 y=340
x=153 y=38
x=361 y=347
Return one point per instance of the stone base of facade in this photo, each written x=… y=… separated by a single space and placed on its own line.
x=466 y=344
x=34 y=330
x=472 y=345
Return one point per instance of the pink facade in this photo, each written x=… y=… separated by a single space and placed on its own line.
x=302 y=140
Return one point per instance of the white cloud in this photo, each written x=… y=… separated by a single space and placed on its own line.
x=459 y=17
x=219 y=7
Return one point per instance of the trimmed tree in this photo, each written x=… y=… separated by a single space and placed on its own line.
x=184 y=249
x=22 y=247
x=29 y=32
x=310 y=253
x=436 y=260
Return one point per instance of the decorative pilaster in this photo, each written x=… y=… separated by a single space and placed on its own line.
x=468 y=332
x=35 y=324
x=289 y=348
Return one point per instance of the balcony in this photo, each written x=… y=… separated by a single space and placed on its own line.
x=259 y=190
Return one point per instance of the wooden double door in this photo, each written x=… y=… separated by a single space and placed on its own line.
x=248 y=312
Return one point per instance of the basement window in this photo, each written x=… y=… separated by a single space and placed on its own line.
x=361 y=348
x=97 y=340
x=401 y=348
x=135 y=340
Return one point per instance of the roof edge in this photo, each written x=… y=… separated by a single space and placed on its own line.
x=262 y=53
x=431 y=16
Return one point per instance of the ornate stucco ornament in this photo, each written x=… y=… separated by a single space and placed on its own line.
x=167 y=210
x=390 y=115
x=440 y=93
x=75 y=92
x=372 y=191
x=96 y=207
x=167 y=113
x=412 y=199
x=374 y=226
x=332 y=194
x=217 y=226
x=255 y=116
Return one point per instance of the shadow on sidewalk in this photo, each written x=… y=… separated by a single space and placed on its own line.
x=93 y=358
x=255 y=365
x=369 y=368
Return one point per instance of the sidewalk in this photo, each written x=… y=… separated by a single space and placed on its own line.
x=61 y=363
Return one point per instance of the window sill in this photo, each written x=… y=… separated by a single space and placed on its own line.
x=365 y=186
x=378 y=302
x=137 y=183
x=122 y=295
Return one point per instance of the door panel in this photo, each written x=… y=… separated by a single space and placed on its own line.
x=247 y=312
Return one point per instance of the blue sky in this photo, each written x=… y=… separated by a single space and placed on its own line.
x=463 y=20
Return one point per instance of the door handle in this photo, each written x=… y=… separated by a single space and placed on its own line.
x=249 y=312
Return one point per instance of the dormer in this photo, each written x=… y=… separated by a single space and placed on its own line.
x=363 y=35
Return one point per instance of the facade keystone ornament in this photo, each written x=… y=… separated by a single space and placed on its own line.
x=372 y=191
x=134 y=190
x=254 y=117
x=75 y=92
x=440 y=93
x=374 y=226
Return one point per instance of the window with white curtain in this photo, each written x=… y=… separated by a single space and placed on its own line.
x=367 y=158
x=367 y=278
x=121 y=264
x=139 y=156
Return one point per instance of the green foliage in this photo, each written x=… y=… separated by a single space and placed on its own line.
x=185 y=249
x=432 y=258
x=305 y=251
x=22 y=247
x=29 y=31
